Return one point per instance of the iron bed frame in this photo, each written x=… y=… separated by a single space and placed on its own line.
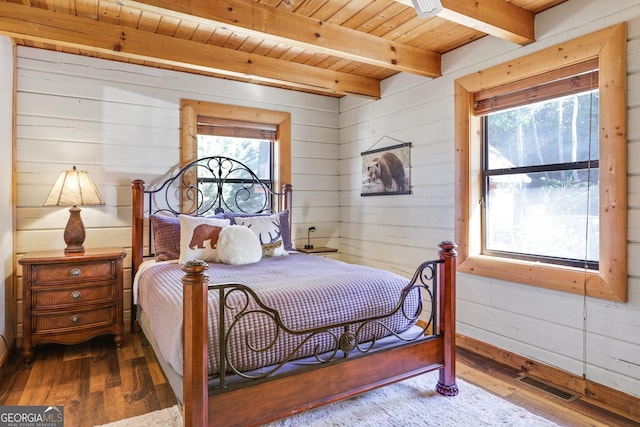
x=235 y=398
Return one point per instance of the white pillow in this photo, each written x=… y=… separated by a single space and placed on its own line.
x=199 y=237
x=269 y=233
x=238 y=245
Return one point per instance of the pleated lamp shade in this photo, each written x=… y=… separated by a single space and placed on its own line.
x=74 y=188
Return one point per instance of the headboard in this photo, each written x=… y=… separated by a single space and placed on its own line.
x=204 y=187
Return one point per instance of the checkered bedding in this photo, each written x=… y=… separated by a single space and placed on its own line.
x=307 y=291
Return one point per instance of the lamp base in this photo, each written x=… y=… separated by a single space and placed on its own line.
x=74 y=251
x=308 y=246
x=74 y=233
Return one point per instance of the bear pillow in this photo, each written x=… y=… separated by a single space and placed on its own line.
x=238 y=245
x=199 y=238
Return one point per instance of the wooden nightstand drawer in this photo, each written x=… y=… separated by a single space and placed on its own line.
x=44 y=297
x=74 y=273
x=73 y=320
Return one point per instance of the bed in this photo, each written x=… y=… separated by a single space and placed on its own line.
x=246 y=329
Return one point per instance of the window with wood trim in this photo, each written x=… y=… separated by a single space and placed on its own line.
x=540 y=75
x=257 y=137
x=540 y=168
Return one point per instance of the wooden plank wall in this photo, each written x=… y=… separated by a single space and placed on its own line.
x=7 y=305
x=121 y=122
x=396 y=232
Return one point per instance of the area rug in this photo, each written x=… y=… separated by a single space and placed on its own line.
x=410 y=403
x=169 y=417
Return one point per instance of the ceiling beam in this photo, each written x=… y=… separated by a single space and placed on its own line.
x=40 y=25
x=498 y=18
x=250 y=18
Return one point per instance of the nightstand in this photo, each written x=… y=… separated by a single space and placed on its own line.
x=69 y=299
x=320 y=251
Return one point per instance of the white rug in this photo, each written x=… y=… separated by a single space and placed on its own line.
x=410 y=403
x=169 y=417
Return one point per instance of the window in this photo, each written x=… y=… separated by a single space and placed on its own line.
x=600 y=168
x=259 y=138
x=540 y=170
x=248 y=143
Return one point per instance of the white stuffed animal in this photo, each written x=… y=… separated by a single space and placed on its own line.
x=239 y=245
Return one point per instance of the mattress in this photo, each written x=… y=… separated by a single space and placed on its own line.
x=308 y=292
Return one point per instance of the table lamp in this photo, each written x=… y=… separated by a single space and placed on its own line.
x=309 y=245
x=74 y=188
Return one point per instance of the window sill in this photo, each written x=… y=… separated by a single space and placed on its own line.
x=561 y=278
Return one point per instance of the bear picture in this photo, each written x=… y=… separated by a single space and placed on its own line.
x=386 y=171
x=202 y=233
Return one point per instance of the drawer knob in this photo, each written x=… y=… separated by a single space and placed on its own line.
x=75 y=318
x=75 y=272
x=75 y=295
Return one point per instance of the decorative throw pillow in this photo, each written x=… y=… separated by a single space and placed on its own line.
x=267 y=228
x=166 y=237
x=238 y=245
x=284 y=224
x=199 y=238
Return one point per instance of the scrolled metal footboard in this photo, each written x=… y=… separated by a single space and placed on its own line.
x=332 y=380
x=239 y=305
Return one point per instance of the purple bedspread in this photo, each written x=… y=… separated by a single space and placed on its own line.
x=307 y=291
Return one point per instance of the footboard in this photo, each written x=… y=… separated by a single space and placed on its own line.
x=358 y=359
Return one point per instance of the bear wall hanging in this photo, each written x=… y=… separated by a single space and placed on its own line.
x=386 y=171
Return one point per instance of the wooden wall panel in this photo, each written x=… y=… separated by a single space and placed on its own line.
x=7 y=289
x=121 y=122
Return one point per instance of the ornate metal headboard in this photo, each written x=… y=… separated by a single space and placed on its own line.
x=204 y=187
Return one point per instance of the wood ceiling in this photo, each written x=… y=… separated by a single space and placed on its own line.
x=330 y=47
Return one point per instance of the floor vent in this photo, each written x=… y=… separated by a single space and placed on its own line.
x=547 y=388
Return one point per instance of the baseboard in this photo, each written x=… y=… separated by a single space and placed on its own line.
x=597 y=394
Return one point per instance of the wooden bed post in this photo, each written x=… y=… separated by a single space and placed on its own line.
x=137 y=239
x=137 y=224
x=286 y=202
x=447 y=382
x=195 y=386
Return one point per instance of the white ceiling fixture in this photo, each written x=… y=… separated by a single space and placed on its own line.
x=427 y=8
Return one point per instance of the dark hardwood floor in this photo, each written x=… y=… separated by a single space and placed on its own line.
x=95 y=382
x=98 y=384
x=501 y=380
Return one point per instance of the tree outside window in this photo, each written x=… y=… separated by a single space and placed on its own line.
x=240 y=192
x=541 y=181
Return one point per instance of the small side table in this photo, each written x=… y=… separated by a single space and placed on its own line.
x=319 y=251
x=70 y=299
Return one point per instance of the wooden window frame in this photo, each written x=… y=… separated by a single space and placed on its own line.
x=191 y=109
x=608 y=46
